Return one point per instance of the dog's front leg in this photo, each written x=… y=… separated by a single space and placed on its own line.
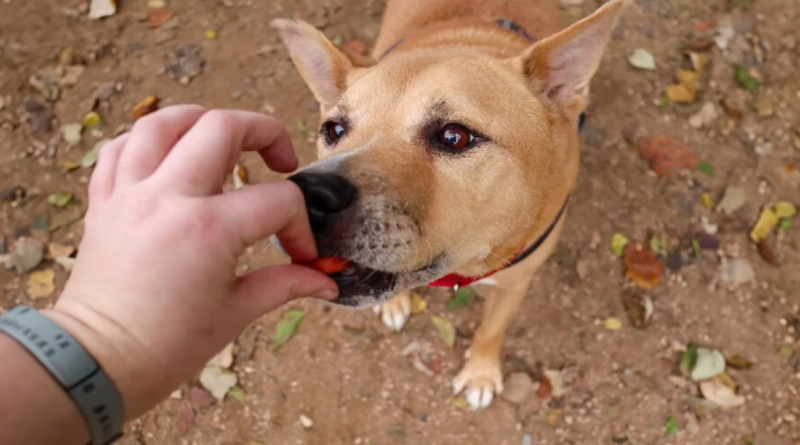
x=482 y=376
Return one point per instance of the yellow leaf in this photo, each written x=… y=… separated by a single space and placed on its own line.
x=679 y=94
x=612 y=324
x=41 y=284
x=461 y=402
x=766 y=222
x=418 y=304
x=690 y=80
x=211 y=34
x=68 y=166
x=91 y=120
x=445 y=329
x=785 y=209
x=553 y=416
x=707 y=200
x=618 y=243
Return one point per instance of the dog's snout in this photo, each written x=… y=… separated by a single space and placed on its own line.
x=326 y=194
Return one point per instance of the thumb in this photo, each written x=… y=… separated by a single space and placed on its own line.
x=267 y=289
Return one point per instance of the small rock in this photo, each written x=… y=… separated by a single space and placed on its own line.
x=66 y=262
x=527 y=439
x=518 y=387
x=57 y=250
x=706 y=116
x=102 y=8
x=40 y=118
x=186 y=63
x=72 y=133
x=105 y=92
x=12 y=193
x=177 y=394
x=763 y=148
x=632 y=132
x=737 y=271
x=723 y=37
x=789 y=42
x=46 y=83
x=764 y=107
x=71 y=74
x=306 y=421
x=642 y=59
x=27 y=254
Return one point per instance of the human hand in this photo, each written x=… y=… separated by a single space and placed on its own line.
x=153 y=294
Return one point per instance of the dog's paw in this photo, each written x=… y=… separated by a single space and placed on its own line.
x=481 y=379
x=395 y=312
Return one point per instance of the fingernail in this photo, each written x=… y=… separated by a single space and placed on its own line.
x=325 y=295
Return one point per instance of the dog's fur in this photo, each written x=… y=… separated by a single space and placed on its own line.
x=422 y=213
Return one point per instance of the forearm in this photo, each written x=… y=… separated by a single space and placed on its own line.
x=34 y=409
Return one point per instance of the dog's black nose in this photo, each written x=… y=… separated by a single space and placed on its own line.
x=326 y=195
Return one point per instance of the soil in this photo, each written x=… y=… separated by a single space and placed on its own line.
x=345 y=370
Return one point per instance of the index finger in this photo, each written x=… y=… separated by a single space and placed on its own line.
x=206 y=154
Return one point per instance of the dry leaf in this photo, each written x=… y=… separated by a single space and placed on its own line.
x=224 y=359
x=639 y=309
x=217 y=381
x=556 y=380
x=418 y=304
x=643 y=266
x=720 y=394
x=445 y=329
x=707 y=200
x=553 y=416
x=679 y=94
x=41 y=283
x=145 y=107
x=210 y=34
x=738 y=362
x=102 y=8
x=710 y=363
x=642 y=59
x=767 y=254
x=667 y=156
x=612 y=324
x=733 y=200
x=72 y=134
x=784 y=209
x=767 y=221
x=618 y=243
x=158 y=17
x=57 y=250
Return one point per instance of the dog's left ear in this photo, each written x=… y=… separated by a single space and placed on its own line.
x=561 y=66
x=323 y=66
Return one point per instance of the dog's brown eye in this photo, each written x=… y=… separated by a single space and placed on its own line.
x=333 y=131
x=455 y=137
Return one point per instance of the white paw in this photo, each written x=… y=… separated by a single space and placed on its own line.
x=395 y=312
x=481 y=379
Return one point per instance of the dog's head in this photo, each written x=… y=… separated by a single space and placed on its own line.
x=441 y=159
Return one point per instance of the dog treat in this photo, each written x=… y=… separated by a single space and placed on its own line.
x=328 y=265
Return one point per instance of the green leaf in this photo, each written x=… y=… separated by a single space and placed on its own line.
x=287 y=327
x=672 y=426
x=463 y=298
x=338 y=40
x=237 y=393
x=750 y=441
x=663 y=104
x=445 y=329
x=746 y=80
x=301 y=125
x=618 y=243
x=41 y=223
x=65 y=218
x=689 y=360
x=658 y=244
x=60 y=199
x=696 y=248
x=786 y=351
x=90 y=158
x=785 y=225
x=706 y=168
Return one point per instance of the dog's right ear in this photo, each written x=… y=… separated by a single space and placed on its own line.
x=323 y=66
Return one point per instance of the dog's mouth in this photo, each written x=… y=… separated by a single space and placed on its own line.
x=361 y=286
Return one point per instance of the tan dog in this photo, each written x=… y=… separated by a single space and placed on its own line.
x=450 y=151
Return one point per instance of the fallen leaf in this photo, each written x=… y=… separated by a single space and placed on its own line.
x=287 y=327
x=767 y=221
x=90 y=157
x=733 y=111
x=710 y=363
x=91 y=120
x=185 y=421
x=72 y=134
x=707 y=200
x=210 y=34
x=460 y=402
x=612 y=324
x=65 y=262
x=102 y=8
x=158 y=17
x=60 y=199
x=643 y=266
x=618 y=243
x=68 y=166
x=556 y=380
x=784 y=209
x=689 y=359
x=705 y=117
x=200 y=397
x=785 y=225
x=355 y=46
x=224 y=358
x=418 y=304
x=690 y=80
x=553 y=416
x=679 y=94
x=463 y=298
x=766 y=253
x=733 y=199
x=658 y=244
x=545 y=389
x=746 y=80
x=738 y=362
x=65 y=219
x=642 y=59
x=639 y=309
x=724 y=36
x=57 y=250
x=737 y=271
x=786 y=351
x=145 y=107
x=238 y=393
x=699 y=61
x=666 y=156
x=217 y=381
x=672 y=426
x=720 y=394
x=764 y=107
x=708 y=227
x=41 y=283
x=445 y=329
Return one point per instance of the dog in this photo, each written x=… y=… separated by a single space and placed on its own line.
x=449 y=155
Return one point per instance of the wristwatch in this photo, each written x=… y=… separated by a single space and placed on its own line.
x=73 y=368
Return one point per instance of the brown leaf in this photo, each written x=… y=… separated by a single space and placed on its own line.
x=704 y=26
x=767 y=254
x=42 y=283
x=200 y=397
x=667 y=156
x=639 y=309
x=545 y=389
x=158 y=17
x=145 y=107
x=644 y=269
x=733 y=111
x=355 y=46
x=738 y=362
x=185 y=421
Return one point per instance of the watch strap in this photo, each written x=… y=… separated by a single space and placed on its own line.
x=72 y=367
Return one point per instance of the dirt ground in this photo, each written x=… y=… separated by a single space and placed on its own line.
x=345 y=371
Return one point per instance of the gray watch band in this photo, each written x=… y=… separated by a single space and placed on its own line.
x=75 y=370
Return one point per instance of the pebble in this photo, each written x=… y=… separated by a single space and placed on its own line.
x=518 y=387
x=306 y=421
x=527 y=439
x=789 y=42
x=27 y=254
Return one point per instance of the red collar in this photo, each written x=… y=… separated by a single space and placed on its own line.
x=456 y=280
